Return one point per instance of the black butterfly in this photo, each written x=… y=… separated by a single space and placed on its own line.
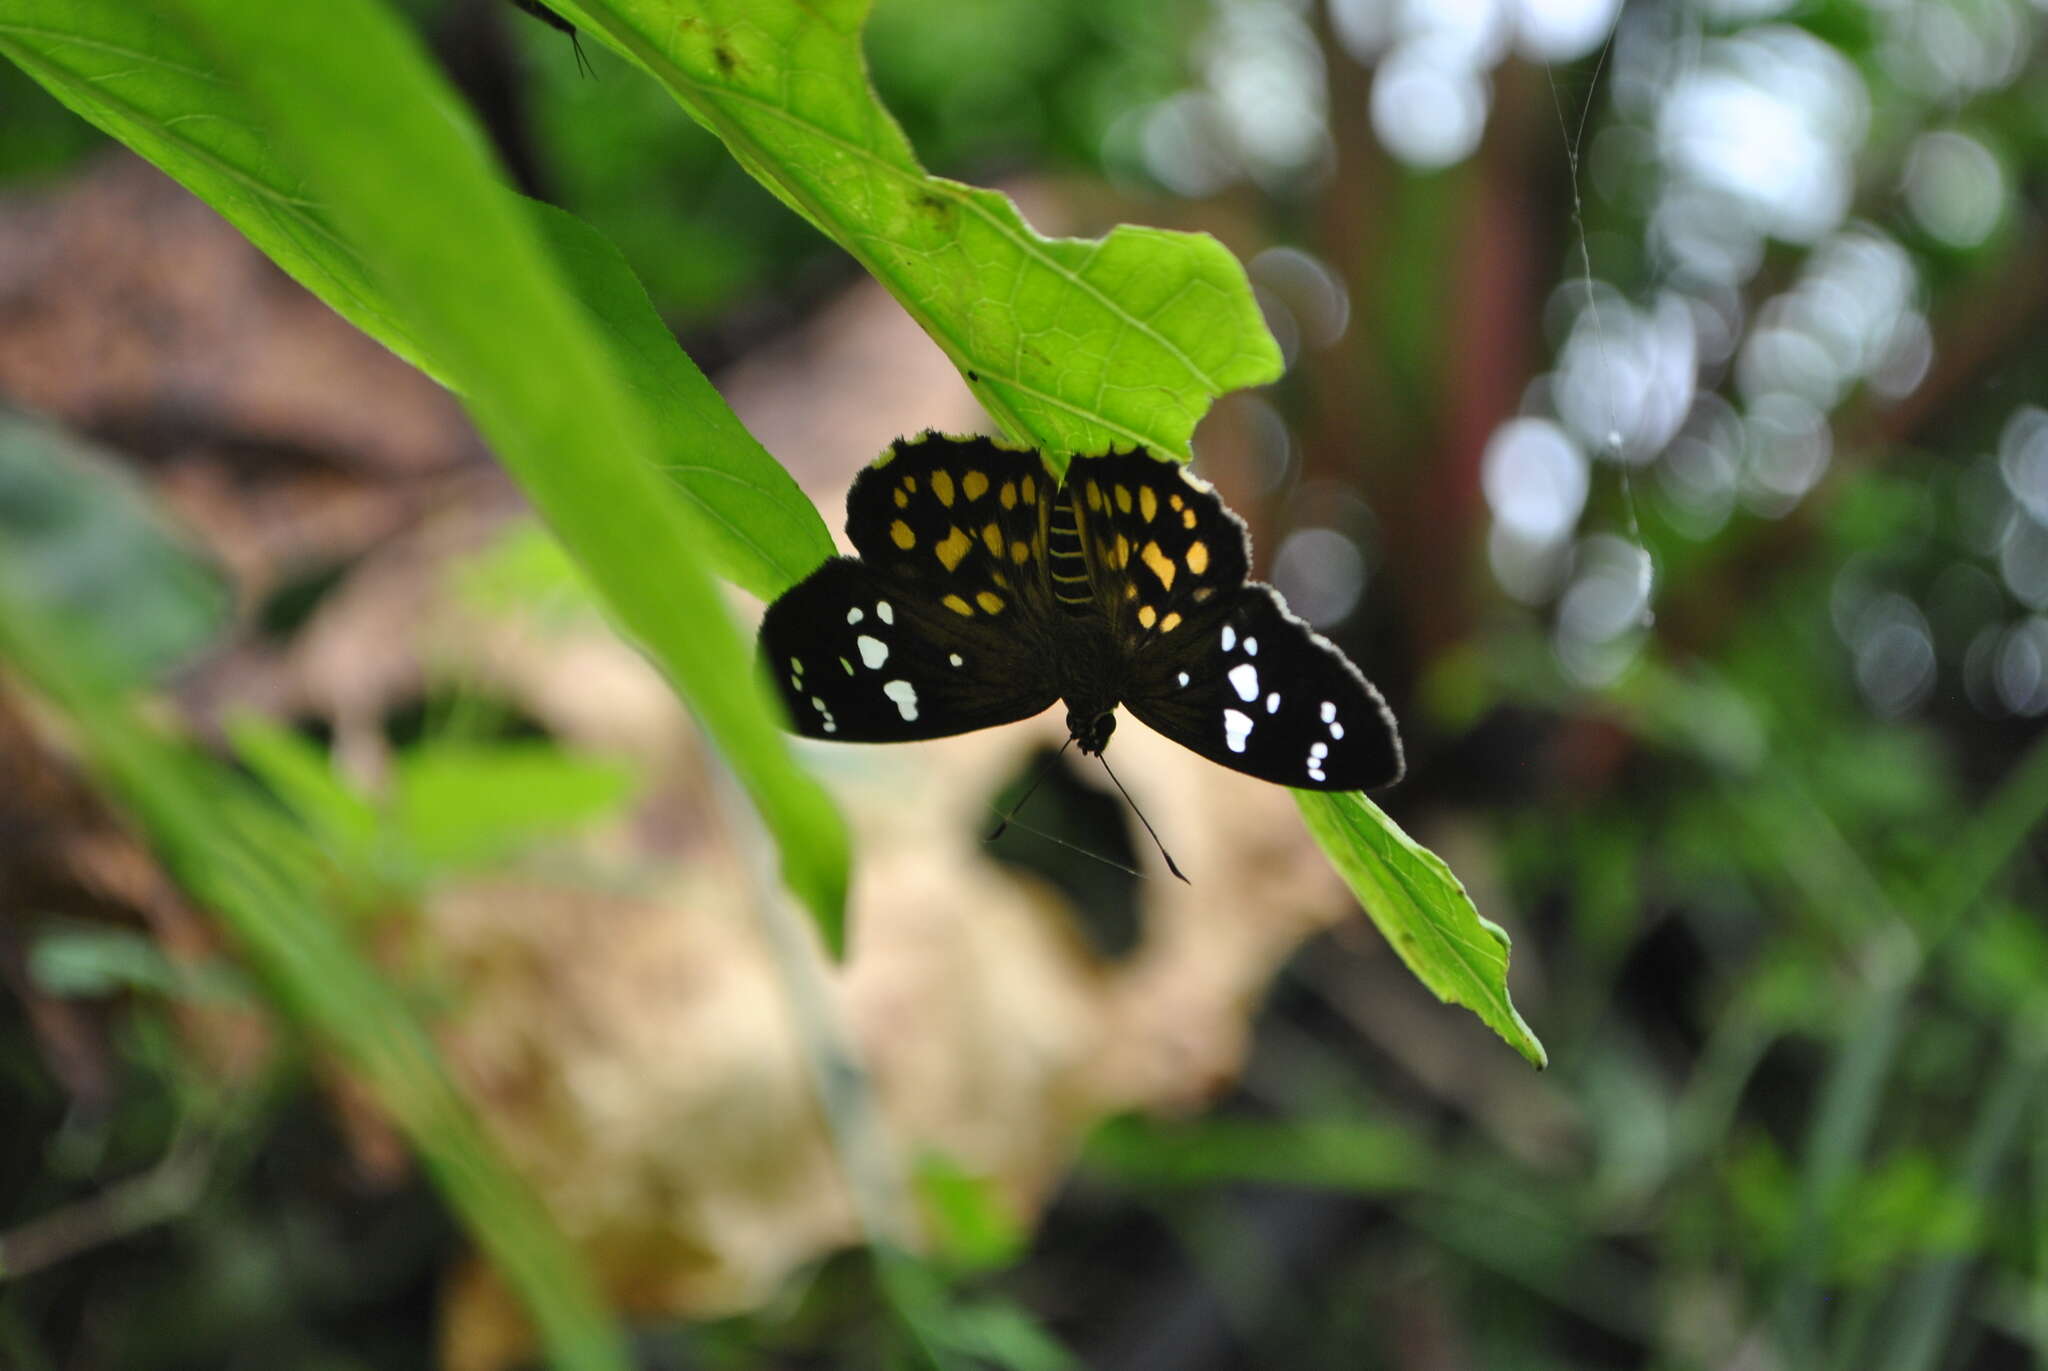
x=986 y=589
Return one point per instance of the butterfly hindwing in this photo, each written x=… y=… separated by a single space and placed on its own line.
x=1253 y=688
x=860 y=657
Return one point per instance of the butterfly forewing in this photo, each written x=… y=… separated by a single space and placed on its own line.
x=1254 y=688
x=930 y=631
x=1161 y=545
x=960 y=518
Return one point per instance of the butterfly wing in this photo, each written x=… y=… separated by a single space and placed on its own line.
x=1215 y=663
x=940 y=625
x=959 y=519
x=1160 y=544
x=860 y=657
x=1251 y=687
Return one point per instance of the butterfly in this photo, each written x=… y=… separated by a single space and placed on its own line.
x=986 y=589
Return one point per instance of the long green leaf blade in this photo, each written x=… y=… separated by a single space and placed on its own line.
x=393 y=156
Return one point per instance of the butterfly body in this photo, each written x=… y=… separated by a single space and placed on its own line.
x=986 y=589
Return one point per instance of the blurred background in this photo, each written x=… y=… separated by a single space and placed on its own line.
x=1665 y=430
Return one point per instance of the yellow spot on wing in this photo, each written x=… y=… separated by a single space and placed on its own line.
x=1030 y=491
x=1198 y=557
x=1187 y=517
x=902 y=497
x=1120 y=555
x=942 y=486
x=910 y=484
x=1094 y=496
x=1170 y=622
x=975 y=484
x=1123 y=499
x=1204 y=592
x=1148 y=503
x=953 y=548
x=1008 y=495
x=993 y=536
x=1148 y=616
x=900 y=534
x=1020 y=553
x=1163 y=568
x=1174 y=500
x=957 y=605
x=989 y=601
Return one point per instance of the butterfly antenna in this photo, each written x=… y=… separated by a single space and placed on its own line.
x=1143 y=820
x=1090 y=854
x=583 y=67
x=1043 y=771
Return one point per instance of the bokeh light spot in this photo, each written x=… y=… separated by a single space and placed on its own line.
x=1954 y=187
x=1321 y=573
x=1428 y=109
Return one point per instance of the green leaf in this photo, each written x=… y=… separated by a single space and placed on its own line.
x=1072 y=344
x=1422 y=909
x=143 y=76
x=767 y=535
x=84 y=961
x=965 y=1217
x=383 y=153
x=458 y=804
x=82 y=538
x=302 y=777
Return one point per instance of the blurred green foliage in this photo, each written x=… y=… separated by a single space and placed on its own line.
x=1786 y=946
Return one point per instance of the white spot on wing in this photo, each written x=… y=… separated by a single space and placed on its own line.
x=1273 y=703
x=796 y=666
x=883 y=612
x=854 y=616
x=1229 y=637
x=954 y=658
x=1319 y=750
x=873 y=652
x=905 y=696
x=1183 y=678
x=1251 y=647
x=1329 y=711
x=1244 y=679
x=1336 y=730
x=1237 y=726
